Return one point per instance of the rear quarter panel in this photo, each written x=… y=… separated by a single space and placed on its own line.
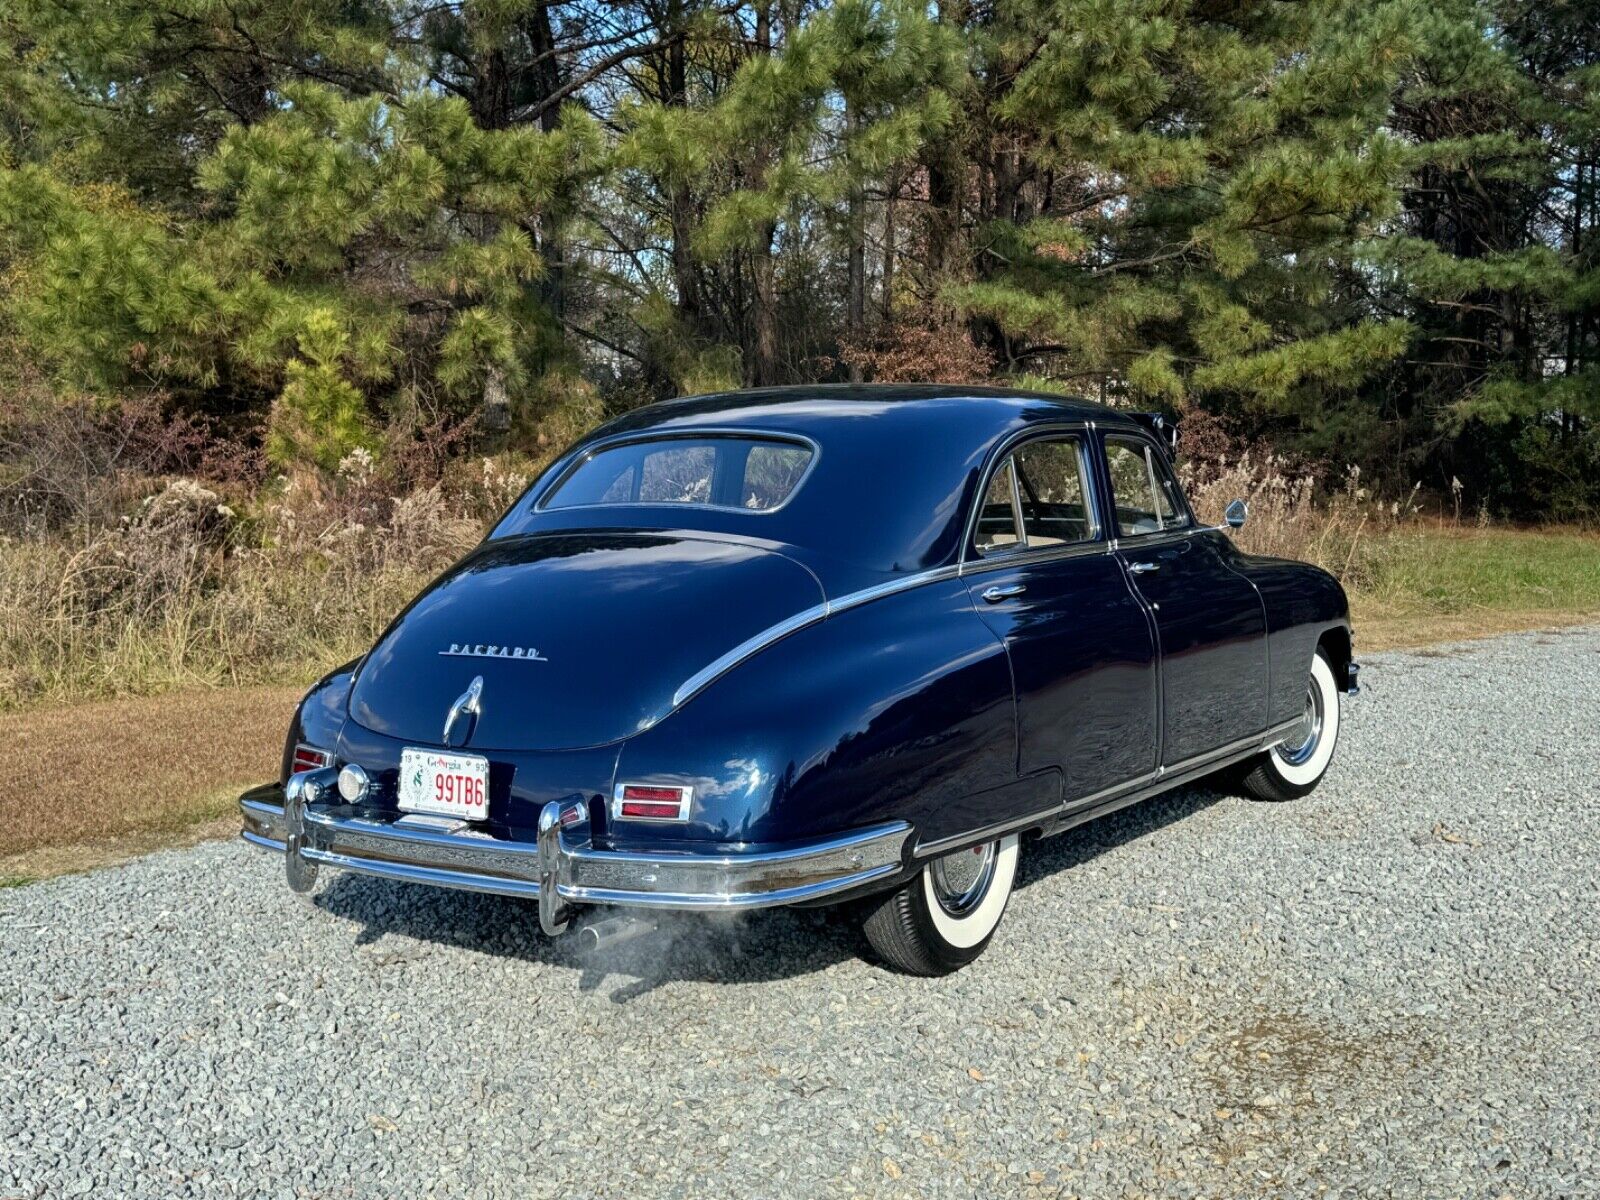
x=897 y=709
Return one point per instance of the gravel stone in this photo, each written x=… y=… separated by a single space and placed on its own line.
x=1387 y=988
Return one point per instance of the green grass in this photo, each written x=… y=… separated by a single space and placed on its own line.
x=1436 y=583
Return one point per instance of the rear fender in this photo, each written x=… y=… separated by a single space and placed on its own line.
x=319 y=716
x=898 y=709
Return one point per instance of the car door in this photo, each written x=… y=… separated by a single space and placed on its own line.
x=1210 y=622
x=1083 y=658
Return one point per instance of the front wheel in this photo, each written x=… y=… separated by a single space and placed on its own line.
x=943 y=916
x=1297 y=764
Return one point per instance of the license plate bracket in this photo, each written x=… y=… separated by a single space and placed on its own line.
x=444 y=784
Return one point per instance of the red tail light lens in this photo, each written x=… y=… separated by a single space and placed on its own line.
x=652 y=802
x=308 y=758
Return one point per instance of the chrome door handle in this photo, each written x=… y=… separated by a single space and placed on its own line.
x=1141 y=568
x=996 y=594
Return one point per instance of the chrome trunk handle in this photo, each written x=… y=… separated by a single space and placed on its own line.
x=1139 y=568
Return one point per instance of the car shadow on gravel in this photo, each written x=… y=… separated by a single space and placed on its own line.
x=706 y=948
x=1044 y=859
x=754 y=947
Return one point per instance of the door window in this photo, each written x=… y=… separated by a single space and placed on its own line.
x=1055 y=505
x=1143 y=491
x=1037 y=499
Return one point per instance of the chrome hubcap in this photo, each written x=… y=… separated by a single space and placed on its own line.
x=1301 y=745
x=961 y=880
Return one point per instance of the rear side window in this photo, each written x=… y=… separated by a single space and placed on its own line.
x=756 y=474
x=997 y=519
x=1142 y=489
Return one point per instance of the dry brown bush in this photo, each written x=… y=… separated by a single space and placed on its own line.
x=921 y=354
x=1292 y=515
x=189 y=589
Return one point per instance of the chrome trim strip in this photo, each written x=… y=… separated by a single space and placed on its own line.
x=345 y=838
x=1140 y=787
x=745 y=649
x=809 y=616
x=985 y=833
x=1028 y=558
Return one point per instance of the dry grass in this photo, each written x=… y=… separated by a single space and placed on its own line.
x=187 y=591
x=90 y=783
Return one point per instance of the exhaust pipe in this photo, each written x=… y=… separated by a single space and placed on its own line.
x=613 y=931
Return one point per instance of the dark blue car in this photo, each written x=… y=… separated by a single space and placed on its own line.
x=807 y=646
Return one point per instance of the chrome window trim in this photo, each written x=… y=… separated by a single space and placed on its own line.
x=973 y=561
x=1045 y=554
x=547 y=493
x=1016 y=502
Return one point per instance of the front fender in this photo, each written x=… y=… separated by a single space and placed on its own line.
x=1303 y=602
x=898 y=709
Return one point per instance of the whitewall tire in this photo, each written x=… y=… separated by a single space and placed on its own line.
x=944 y=916
x=1296 y=765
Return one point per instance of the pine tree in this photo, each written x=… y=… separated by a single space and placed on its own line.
x=1153 y=206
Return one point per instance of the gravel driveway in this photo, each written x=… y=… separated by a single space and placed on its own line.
x=1389 y=988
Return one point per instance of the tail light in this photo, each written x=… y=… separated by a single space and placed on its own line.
x=308 y=758
x=651 y=802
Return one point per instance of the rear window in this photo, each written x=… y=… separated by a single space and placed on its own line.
x=756 y=474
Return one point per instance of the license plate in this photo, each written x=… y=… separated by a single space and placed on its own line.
x=449 y=785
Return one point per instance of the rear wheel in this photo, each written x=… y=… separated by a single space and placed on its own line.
x=943 y=917
x=1296 y=765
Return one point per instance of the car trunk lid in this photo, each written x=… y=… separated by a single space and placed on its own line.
x=580 y=638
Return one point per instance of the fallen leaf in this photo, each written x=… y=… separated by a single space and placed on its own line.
x=381 y=1123
x=891 y=1168
x=976 y=1074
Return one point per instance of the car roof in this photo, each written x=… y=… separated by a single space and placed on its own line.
x=794 y=406
x=897 y=471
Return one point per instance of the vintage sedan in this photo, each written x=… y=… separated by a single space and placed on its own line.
x=810 y=646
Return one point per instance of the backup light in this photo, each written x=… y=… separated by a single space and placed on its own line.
x=353 y=783
x=651 y=802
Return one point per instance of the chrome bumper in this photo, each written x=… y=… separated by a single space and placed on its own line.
x=563 y=869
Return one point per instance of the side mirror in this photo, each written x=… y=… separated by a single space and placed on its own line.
x=1236 y=515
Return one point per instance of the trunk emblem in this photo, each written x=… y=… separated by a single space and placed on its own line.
x=466 y=704
x=469 y=650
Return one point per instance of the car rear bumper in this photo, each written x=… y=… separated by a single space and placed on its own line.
x=563 y=868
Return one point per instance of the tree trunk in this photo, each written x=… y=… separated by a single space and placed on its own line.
x=546 y=80
x=856 y=302
x=763 y=368
x=685 y=271
x=887 y=283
